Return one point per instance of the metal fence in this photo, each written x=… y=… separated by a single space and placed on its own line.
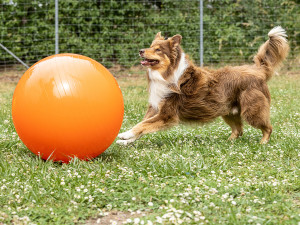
x=112 y=31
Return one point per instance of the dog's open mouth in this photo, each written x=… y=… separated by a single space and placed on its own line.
x=149 y=62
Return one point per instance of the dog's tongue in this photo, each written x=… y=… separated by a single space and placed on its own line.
x=145 y=63
x=149 y=62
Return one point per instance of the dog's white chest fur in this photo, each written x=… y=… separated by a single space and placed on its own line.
x=159 y=86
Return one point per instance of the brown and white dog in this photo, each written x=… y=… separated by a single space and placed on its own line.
x=181 y=92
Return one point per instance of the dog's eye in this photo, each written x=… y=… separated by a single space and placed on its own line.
x=158 y=50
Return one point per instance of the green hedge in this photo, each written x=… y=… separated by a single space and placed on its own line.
x=112 y=31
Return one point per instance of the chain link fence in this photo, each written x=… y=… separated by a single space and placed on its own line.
x=112 y=31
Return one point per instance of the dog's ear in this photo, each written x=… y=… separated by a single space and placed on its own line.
x=158 y=36
x=175 y=40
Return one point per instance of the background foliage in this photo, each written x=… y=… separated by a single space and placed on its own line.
x=112 y=31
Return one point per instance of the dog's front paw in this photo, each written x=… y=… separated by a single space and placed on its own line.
x=126 y=135
x=125 y=142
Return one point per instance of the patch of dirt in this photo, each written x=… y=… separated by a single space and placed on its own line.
x=9 y=78
x=120 y=72
x=11 y=75
x=117 y=216
x=14 y=74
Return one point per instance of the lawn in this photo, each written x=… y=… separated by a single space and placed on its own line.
x=186 y=175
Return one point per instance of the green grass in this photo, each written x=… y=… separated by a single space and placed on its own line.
x=188 y=175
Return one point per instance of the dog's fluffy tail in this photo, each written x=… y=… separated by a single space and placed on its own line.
x=273 y=51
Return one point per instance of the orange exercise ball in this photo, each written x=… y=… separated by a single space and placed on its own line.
x=66 y=106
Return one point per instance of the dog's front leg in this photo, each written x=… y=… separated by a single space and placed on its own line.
x=158 y=122
x=150 y=112
x=129 y=135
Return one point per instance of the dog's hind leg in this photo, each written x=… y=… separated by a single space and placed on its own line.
x=255 y=109
x=236 y=124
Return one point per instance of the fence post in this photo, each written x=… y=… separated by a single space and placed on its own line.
x=201 y=32
x=56 y=28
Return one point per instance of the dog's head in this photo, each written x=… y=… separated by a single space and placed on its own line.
x=162 y=52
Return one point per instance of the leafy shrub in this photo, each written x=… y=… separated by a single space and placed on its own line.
x=113 y=31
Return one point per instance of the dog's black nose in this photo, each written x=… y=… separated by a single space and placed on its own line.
x=142 y=51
